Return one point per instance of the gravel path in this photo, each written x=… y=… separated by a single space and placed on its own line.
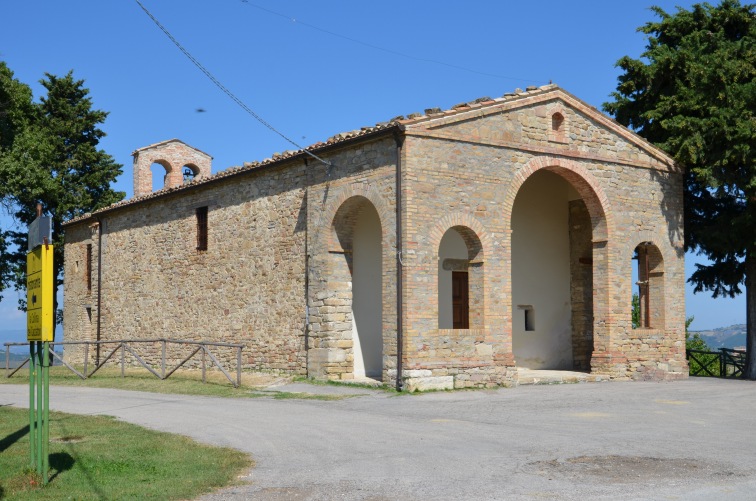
x=690 y=440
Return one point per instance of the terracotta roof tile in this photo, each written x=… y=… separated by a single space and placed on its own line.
x=397 y=121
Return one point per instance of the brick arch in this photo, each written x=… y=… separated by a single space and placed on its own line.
x=372 y=195
x=654 y=292
x=585 y=184
x=478 y=241
x=603 y=236
x=656 y=237
x=165 y=164
x=171 y=155
x=461 y=220
x=332 y=267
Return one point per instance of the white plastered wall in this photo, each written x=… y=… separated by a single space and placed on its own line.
x=541 y=273
x=367 y=318
x=452 y=246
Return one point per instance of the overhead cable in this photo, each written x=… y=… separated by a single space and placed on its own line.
x=384 y=49
x=223 y=87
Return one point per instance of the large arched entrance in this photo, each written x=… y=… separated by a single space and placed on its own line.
x=552 y=270
x=357 y=228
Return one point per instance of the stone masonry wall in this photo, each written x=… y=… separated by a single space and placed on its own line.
x=266 y=229
x=360 y=176
x=471 y=169
x=277 y=273
x=581 y=284
x=248 y=287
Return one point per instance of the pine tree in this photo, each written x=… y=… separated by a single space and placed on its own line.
x=693 y=93
x=54 y=161
x=17 y=113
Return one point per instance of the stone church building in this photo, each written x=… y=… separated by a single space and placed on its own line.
x=437 y=250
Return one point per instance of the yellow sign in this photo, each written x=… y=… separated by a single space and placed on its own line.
x=39 y=294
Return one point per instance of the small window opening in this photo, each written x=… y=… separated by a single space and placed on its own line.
x=201 y=228
x=528 y=316
x=88 y=269
x=648 y=301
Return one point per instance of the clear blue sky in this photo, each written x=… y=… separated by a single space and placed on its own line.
x=318 y=69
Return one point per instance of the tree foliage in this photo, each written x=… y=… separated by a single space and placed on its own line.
x=49 y=155
x=635 y=311
x=693 y=93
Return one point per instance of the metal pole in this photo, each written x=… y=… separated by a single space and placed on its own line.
x=40 y=406
x=123 y=359
x=46 y=412
x=7 y=360
x=86 y=359
x=32 y=411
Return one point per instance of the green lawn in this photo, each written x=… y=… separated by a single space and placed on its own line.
x=185 y=382
x=101 y=458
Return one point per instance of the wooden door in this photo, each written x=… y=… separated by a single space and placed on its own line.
x=460 y=300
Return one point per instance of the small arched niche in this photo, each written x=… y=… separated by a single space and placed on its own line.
x=557 y=132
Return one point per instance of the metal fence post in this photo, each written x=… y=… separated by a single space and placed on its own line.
x=123 y=359
x=86 y=358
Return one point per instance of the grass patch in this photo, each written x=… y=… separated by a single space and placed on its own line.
x=185 y=382
x=289 y=395
x=93 y=457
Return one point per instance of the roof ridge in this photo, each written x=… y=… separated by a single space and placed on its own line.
x=397 y=121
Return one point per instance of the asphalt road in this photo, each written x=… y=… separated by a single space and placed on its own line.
x=691 y=440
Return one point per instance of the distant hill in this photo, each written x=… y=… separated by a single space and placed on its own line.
x=15 y=359
x=724 y=337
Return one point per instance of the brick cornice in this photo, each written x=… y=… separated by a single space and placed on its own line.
x=537 y=150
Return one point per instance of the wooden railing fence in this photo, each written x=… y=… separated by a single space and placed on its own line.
x=122 y=346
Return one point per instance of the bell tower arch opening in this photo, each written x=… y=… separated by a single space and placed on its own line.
x=168 y=164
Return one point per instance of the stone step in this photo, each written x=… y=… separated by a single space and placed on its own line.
x=531 y=376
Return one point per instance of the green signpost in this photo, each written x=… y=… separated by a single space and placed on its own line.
x=39 y=333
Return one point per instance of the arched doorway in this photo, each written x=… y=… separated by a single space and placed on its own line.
x=357 y=227
x=552 y=272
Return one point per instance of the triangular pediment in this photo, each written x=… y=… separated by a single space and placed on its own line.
x=545 y=120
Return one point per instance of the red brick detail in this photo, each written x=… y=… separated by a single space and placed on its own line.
x=335 y=204
x=584 y=183
x=465 y=220
x=172 y=155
